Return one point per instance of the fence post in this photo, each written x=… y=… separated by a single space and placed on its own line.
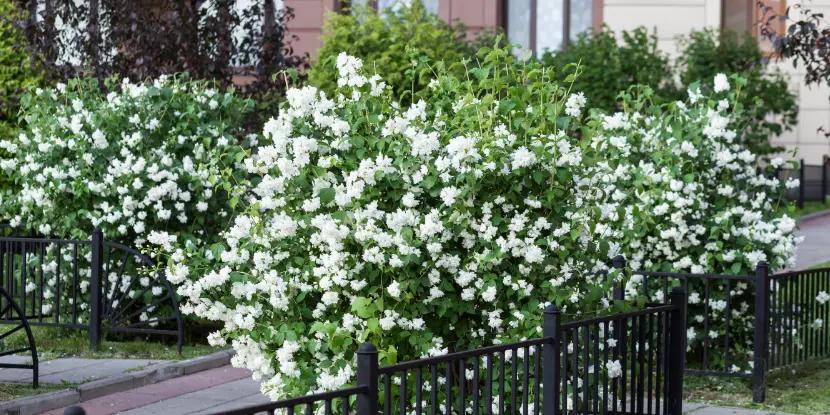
x=824 y=180
x=367 y=375
x=96 y=289
x=801 y=184
x=677 y=351
x=619 y=263
x=759 y=347
x=550 y=361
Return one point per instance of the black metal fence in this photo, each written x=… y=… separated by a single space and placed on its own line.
x=746 y=326
x=713 y=313
x=95 y=284
x=798 y=315
x=620 y=364
x=814 y=182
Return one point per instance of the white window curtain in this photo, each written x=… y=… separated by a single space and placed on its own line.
x=549 y=25
x=581 y=17
x=518 y=22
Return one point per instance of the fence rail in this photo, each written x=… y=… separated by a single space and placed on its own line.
x=86 y=284
x=620 y=364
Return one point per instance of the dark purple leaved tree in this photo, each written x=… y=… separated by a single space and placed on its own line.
x=806 y=41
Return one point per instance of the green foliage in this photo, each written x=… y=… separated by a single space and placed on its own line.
x=16 y=72
x=611 y=66
x=384 y=41
x=706 y=53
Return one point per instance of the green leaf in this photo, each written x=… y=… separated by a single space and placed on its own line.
x=363 y=307
x=406 y=234
x=326 y=195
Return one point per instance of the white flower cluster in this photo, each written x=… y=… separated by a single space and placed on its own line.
x=692 y=193
x=142 y=159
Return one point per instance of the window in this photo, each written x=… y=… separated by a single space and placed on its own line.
x=744 y=16
x=430 y=5
x=543 y=25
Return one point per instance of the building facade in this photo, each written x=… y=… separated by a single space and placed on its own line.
x=543 y=24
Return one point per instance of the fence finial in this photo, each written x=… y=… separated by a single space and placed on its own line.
x=552 y=309
x=618 y=262
x=367 y=348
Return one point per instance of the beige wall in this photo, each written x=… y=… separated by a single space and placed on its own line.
x=676 y=17
x=814 y=110
x=671 y=17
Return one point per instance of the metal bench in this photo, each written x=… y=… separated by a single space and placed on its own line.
x=9 y=306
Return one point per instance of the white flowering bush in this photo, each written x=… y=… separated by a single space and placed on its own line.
x=449 y=224
x=442 y=226
x=140 y=159
x=695 y=203
x=143 y=157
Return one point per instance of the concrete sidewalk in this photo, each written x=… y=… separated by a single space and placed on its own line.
x=72 y=370
x=226 y=388
x=814 y=249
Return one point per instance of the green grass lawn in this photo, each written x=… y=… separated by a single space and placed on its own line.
x=792 y=210
x=804 y=389
x=54 y=342
x=822 y=265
